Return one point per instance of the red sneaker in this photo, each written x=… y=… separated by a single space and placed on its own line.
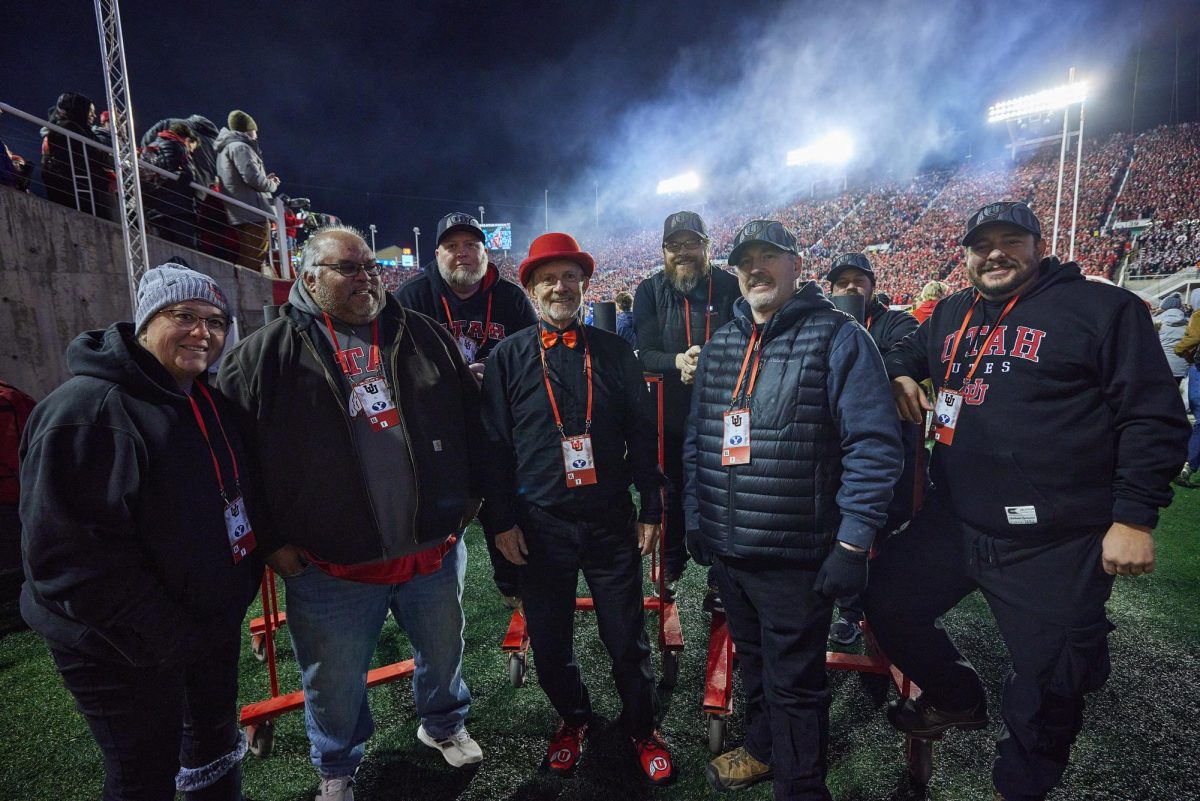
x=654 y=758
x=563 y=754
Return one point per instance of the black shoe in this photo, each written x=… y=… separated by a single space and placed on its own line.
x=921 y=719
x=712 y=602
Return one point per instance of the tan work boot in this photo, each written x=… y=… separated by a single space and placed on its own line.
x=736 y=770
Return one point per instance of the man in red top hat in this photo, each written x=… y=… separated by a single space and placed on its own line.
x=570 y=426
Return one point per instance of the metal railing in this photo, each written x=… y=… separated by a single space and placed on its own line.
x=99 y=202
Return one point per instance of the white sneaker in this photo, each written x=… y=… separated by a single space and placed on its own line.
x=458 y=749
x=339 y=788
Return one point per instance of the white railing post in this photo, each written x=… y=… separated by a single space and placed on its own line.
x=285 y=263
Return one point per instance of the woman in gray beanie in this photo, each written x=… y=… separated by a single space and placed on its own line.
x=139 y=560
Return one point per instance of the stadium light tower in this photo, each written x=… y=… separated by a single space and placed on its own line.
x=687 y=182
x=1020 y=110
x=372 y=229
x=417 y=238
x=834 y=148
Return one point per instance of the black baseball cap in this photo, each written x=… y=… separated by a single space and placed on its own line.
x=770 y=232
x=683 y=221
x=850 y=261
x=457 y=221
x=1006 y=211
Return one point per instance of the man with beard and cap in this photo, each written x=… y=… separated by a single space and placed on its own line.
x=365 y=513
x=1057 y=432
x=791 y=453
x=851 y=275
x=570 y=426
x=465 y=293
x=675 y=312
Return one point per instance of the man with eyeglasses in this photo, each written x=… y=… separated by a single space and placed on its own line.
x=461 y=290
x=675 y=312
x=365 y=421
x=569 y=427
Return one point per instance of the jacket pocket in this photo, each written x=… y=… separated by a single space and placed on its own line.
x=989 y=490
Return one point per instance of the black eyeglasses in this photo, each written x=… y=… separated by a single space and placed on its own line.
x=349 y=269
x=187 y=321
x=687 y=244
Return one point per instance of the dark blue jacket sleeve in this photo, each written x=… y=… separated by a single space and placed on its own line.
x=691 y=505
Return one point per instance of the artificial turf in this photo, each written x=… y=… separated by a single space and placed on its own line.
x=1138 y=742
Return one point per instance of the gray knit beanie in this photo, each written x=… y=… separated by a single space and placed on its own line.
x=173 y=283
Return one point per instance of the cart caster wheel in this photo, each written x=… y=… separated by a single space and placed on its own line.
x=516 y=669
x=258 y=646
x=262 y=738
x=716 y=734
x=920 y=759
x=670 y=668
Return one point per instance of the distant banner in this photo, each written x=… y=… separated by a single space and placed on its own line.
x=1132 y=224
x=497 y=236
x=882 y=247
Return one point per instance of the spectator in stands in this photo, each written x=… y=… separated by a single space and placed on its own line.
x=798 y=388
x=625 y=327
x=1059 y=430
x=1170 y=321
x=397 y=446
x=931 y=293
x=1189 y=348
x=243 y=177
x=851 y=274
x=170 y=203
x=462 y=291
x=676 y=311
x=130 y=573
x=102 y=128
x=73 y=173
x=567 y=417
x=14 y=170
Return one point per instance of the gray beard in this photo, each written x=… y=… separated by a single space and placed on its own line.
x=684 y=284
x=460 y=277
x=559 y=316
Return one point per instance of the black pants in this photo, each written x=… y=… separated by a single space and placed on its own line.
x=148 y=721
x=1048 y=599
x=605 y=549
x=504 y=572
x=779 y=626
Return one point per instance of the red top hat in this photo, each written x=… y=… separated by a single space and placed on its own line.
x=551 y=247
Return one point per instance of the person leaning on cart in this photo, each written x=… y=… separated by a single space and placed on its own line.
x=139 y=554
x=569 y=422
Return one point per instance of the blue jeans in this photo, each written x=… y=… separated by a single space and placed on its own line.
x=335 y=627
x=1193 y=453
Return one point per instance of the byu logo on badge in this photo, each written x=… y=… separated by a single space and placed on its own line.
x=736 y=439
x=578 y=463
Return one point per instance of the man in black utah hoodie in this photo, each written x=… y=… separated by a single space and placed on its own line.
x=1058 y=430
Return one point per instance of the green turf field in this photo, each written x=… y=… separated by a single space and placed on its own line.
x=1138 y=743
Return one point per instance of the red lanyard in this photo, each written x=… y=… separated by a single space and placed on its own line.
x=587 y=370
x=982 y=348
x=373 y=360
x=869 y=319
x=487 y=324
x=208 y=442
x=687 y=315
x=753 y=347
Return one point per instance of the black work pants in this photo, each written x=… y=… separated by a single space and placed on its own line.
x=605 y=548
x=779 y=626
x=150 y=721
x=1047 y=595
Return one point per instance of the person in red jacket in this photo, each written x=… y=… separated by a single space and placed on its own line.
x=931 y=293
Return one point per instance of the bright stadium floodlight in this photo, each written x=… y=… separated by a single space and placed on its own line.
x=1045 y=101
x=834 y=148
x=687 y=182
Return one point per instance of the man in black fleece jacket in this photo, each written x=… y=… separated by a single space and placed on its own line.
x=1058 y=430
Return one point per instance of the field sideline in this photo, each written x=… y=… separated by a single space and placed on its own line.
x=1138 y=742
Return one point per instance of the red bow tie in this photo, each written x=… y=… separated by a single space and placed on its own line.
x=551 y=338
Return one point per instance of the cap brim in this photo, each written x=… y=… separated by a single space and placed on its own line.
x=462 y=227
x=966 y=238
x=737 y=252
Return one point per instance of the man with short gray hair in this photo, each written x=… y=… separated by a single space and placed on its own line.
x=366 y=516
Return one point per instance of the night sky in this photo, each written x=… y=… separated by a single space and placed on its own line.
x=396 y=113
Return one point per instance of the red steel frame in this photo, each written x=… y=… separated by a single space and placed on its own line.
x=670 y=633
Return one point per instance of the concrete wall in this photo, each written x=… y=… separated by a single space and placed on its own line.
x=63 y=272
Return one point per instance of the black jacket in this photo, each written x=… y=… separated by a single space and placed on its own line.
x=283 y=380
x=524 y=462
x=511 y=309
x=824 y=437
x=166 y=197
x=126 y=555
x=205 y=158
x=886 y=326
x=1074 y=413
x=658 y=314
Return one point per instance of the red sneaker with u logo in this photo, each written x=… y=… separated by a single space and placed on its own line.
x=563 y=754
x=654 y=758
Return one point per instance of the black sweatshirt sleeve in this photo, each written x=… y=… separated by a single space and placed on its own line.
x=910 y=356
x=1149 y=419
x=640 y=425
x=649 y=333
x=500 y=467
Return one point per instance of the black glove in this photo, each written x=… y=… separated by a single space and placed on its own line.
x=695 y=546
x=844 y=572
